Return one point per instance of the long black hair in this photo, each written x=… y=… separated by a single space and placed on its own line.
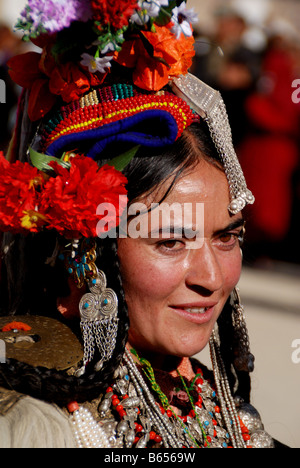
x=29 y=285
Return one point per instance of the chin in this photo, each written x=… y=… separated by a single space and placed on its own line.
x=189 y=350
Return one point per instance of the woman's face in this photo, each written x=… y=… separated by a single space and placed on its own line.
x=177 y=286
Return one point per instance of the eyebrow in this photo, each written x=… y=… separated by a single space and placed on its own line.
x=174 y=230
x=189 y=231
x=232 y=226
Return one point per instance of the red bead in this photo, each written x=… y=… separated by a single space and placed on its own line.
x=192 y=414
x=119 y=408
x=139 y=428
x=72 y=407
x=152 y=435
x=246 y=437
x=199 y=381
x=217 y=409
x=158 y=439
x=169 y=413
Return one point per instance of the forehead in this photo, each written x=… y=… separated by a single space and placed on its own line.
x=198 y=200
x=204 y=183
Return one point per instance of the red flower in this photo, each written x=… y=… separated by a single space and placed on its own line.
x=168 y=57
x=71 y=199
x=46 y=80
x=112 y=12
x=20 y=186
x=24 y=70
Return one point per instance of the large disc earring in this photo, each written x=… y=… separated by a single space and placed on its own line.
x=99 y=322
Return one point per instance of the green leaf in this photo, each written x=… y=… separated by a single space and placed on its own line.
x=166 y=13
x=41 y=161
x=120 y=162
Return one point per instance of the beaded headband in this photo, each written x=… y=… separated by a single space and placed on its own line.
x=118 y=113
x=125 y=114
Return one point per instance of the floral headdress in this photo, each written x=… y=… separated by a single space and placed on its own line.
x=84 y=44
x=106 y=70
x=83 y=41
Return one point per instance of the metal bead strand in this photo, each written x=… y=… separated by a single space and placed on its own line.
x=167 y=432
x=228 y=408
x=152 y=409
x=230 y=401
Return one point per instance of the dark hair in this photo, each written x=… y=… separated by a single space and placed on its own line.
x=30 y=286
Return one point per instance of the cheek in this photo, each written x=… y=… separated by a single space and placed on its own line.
x=232 y=268
x=145 y=276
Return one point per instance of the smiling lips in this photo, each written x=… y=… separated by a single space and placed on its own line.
x=195 y=312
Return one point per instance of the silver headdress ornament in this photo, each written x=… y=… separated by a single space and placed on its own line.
x=208 y=103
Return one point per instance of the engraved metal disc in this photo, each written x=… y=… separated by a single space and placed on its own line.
x=109 y=302
x=89 y=307
x=98 y=285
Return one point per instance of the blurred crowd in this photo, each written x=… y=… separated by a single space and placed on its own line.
x=10 y=45
x=254 y=68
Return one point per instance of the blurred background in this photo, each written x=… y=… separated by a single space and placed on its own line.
x=250 y=51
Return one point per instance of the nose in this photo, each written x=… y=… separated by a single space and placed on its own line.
x=204 y=272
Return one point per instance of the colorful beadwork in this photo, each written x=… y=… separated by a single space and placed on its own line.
x=80 y=262
x=103 y=107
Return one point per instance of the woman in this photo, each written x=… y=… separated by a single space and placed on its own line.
x=151 y=288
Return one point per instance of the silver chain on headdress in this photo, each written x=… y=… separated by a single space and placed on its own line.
x=209 y=104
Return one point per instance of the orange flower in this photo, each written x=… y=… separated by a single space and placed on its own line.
x=156 y=57
x=46 y=80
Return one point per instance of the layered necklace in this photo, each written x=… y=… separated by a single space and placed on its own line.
x=135 y=413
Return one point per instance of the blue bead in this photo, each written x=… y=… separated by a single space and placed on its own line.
x=86 y=305
x=94 y=281
x=224 y=445
x=105 y=301
x=206 y=423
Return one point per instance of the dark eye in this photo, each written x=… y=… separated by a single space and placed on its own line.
x=172 y=245
x=228 y=240
x=228 y=237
